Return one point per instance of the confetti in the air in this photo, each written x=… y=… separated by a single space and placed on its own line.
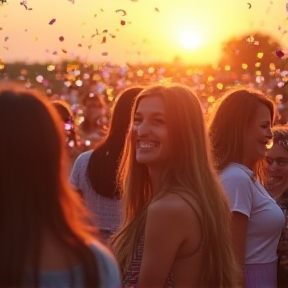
x=61 y=38
x=156 y=9
x=103 y=40
x=79 y=45
x=249 y=5
x=121 y=10
x=279 y=53
x=104 y=53
x=6 y=38
x=3 y=1
x=24 y=3
x=64 y=51
x=122 y=22
x=55 y=53
x=287 y=7
x=52 y=21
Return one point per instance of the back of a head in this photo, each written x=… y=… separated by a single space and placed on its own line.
x=103 y=162
x=229 y=122
x=30 y=156
x=30 y=165
x=280 y=134
x=64 y=110
x=35 y=197
x=121 y=112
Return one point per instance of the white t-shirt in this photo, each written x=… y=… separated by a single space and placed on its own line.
x=265 y=219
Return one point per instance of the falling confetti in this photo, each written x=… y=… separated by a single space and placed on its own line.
x=122 y=22
x=250 y=40
x=104 y=53
x=121 y=10
x=64 y=51
x=55 y=53
x=6 y=38
x=156 y=9
x=52 y=21
x=287 y=7
x=89 y=47
x=24 y=3
x=3 y=1
x=103 y=40
x=249 y=5
x=279 y=53
x=61 y=38
x=79 y=45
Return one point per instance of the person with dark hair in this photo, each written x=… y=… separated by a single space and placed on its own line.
x=176 y=227
x=277 y=185
x=94 y=172
x=45 y=239
x=67 y=118
x=240 y=132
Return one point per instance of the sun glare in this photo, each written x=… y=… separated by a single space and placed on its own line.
x=190 y=40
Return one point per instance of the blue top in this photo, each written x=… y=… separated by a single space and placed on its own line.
x=108 y=273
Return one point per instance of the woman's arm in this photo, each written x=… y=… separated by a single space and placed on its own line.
x=238 y=231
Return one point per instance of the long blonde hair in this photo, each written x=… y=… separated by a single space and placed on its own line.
x=189 y=168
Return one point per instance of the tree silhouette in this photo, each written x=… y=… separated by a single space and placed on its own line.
x=250 y=56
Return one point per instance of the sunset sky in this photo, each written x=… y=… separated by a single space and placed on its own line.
x=154 y=30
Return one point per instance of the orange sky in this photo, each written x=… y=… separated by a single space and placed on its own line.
x=150 y=34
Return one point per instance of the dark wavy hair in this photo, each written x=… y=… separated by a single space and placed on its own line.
x=104 y=161
x=35 y=197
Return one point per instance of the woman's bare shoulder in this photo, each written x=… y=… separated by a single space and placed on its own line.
x=173 y=204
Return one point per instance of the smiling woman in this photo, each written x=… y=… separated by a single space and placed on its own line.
x=277 y=162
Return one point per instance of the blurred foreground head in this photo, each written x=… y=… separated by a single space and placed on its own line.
x=36 y=200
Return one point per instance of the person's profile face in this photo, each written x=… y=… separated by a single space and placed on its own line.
x=258 y=135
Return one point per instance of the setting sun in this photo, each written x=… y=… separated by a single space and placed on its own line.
x=190 y=40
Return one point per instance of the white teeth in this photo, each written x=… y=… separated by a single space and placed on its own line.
x=147 y=144
x=274 y=180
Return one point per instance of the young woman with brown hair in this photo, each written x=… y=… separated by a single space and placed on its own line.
x=176 y=228
x=240 y=130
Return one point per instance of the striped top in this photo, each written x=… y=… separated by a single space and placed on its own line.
x=132 y=275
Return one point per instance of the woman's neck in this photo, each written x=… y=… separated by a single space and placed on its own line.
x=155 y=176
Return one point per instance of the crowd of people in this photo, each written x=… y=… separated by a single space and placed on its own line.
x=164 y=195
